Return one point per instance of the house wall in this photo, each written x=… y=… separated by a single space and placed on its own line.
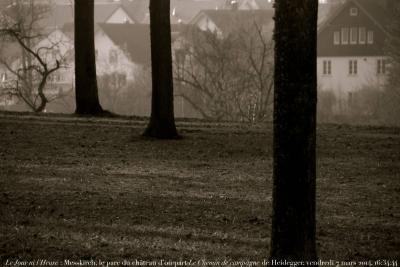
x=204 y=23
x=104 y=46
x=349 y=20
x=344 y=85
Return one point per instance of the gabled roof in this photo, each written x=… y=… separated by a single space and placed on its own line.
x=183 y=11
x=374 y=9
x=134 y=39
x=102 y=14
x=228 y=20
x=261 y=4
x=186 y=10
x=373 y=16
x=136 y=9
x=62 y=14
x=324 y=10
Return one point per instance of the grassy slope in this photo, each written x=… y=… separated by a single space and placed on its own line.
x=78 y=189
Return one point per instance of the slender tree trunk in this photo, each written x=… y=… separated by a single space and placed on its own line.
x=294 y=174
x=87 y=99
x=42 y=96
x=162 y=122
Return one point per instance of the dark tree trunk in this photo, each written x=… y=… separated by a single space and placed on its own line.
x=294 y=174
x=162 y=122
x=87 y=99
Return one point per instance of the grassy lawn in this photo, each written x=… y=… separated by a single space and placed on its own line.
x=94 y=189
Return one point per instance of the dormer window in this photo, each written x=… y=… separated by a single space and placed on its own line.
x=370 y=37
x=345 y=36
x=353 y=35
x=353 y=11
x=336 y=38
x=361 y=35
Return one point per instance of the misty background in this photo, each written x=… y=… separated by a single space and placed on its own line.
x=222 y=56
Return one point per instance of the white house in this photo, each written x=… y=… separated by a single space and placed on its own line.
x=126 y=49
x=114 y=48
x=351 y=51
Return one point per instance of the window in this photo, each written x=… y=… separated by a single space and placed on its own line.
x=361 y=35
x=353 y=11
x=381 y=66
x=327 y=67
x=4 y=77
x=353 y=67
x=345 y=35
x=113 y=56
x=370 y=37
x=353 y=35
x=336 y=38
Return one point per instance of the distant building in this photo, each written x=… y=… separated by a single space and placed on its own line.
x=126 y=49
x=114 y=12
x=223 y=22
x=351 y=50
x=256 y=4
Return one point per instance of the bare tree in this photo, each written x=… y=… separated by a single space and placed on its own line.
x=162 y=121
x=41 y=53
x=227 y=78
x=294 y=155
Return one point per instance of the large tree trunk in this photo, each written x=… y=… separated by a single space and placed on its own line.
x=87 y=99
x=162 y=122
x=294 y=174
